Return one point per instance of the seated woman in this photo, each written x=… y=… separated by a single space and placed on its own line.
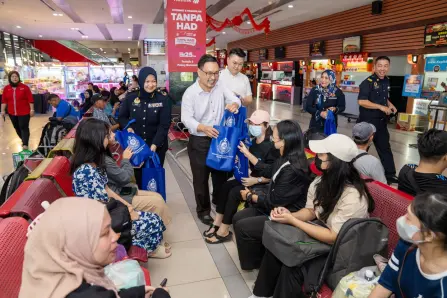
x=418 y=266
x=322 y=98
x=229 y=197
x=335 y=197
x=90 y=181
x=288 y=188
x=88 y=94
x=67 y=251
x=120 y=181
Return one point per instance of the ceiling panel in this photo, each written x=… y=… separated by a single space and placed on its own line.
x=142 y=11
x=92 y=11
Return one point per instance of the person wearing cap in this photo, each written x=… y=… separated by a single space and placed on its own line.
x=151 y=110
x=203 y=106
x=233 y=79
x=367 y=164
x=341 y=189
x=229 y=197
x=99 y=105
x=427 y=176
x=375 y=107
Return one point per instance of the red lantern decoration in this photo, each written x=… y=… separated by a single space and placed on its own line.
x=237 y=21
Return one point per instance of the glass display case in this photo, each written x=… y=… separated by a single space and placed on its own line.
x=76 y=79
x=49 y=78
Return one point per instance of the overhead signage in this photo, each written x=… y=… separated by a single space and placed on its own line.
x=352 y=44
x=354 y=57
x=316 y=49
x=436 y=64
x=436 y=34
x=263 y=53
x=412 y=85
x=185 y=32
x=154 y=47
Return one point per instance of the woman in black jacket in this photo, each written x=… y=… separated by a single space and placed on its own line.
x=288 y=188
x=67 y=251
x=322 y=98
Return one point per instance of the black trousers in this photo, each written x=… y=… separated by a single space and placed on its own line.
x=277 y=280
x=21 y=125
x=198 y=150
x=248 y=226
x=383 y=147
x=228 y=200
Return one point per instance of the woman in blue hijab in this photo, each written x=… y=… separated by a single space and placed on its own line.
x=151 y=110
x=323 y=98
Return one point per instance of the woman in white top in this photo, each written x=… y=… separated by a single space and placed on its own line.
x=337 y=196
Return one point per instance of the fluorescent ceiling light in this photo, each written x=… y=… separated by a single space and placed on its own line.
x=129 y=17
x=129 y=29
x=40 y=35
x=84 y=36
x=128 y=49
x=129 y=37
x=105 y=53
x=290 y=6
x=207 y=39
x=224 y=32
x=18 y=27
x=100 y=49
x=248 y=22
x=60 y=15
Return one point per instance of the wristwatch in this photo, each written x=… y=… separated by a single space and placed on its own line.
x=260 y=180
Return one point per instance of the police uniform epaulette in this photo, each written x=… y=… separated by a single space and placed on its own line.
x=369 y=79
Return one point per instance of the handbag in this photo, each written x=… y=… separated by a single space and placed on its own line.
x=223 y=149
x=153 y=177
x=141 y=151
x=291 y=245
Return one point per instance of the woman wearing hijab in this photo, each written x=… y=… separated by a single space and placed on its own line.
x=65 y=255
x=151 y=110
x=19 y=99
x=322 y=98
x=88 y=94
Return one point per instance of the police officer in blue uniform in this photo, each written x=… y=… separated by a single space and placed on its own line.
x=375 y=107
x=152 y=111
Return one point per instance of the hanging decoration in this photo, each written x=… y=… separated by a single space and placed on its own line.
x=211 y=42
x=236 y=21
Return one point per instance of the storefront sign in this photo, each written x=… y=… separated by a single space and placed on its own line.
x=285 y=66
x=185 y=30
x=412 y=85
x=317 y=49
x=354 y=57
x=436 y=63
x=352 y=44
x=266 y=66
x=436 y=34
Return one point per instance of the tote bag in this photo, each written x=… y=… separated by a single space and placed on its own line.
x=329 y=124
x=140 y=149
x=153 y=177
x=223 y=149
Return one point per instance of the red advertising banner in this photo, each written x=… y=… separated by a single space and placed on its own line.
x=185 y=31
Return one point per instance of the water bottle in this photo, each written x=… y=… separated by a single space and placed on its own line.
x=369 y=275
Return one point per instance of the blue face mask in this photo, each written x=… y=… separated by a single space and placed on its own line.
x=255 y=131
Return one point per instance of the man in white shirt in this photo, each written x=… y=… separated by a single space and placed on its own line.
x=203 y=105
x=234 y=80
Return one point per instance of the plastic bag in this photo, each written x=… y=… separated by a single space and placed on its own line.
x=21 y=156
x=125 y=274
x=355 y=284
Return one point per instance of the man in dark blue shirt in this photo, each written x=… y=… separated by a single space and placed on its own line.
x=375 y=107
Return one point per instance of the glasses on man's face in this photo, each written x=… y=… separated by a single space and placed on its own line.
x=211 y=74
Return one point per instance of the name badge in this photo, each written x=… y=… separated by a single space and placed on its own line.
x=333 y=97
x=136 y=102
x=155 y=105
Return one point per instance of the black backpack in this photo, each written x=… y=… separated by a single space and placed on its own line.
x=357 y=242
x=121 y=222
x=13 y=181
x=52 y=133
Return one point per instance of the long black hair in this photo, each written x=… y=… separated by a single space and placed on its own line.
x=290 y=132
x=9 y=78
x=334 y=180
x=88 y=101
x=113 y=98
x=89 y=144
x=431 y=210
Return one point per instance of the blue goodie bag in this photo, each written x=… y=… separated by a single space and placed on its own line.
x=223 y=149
x=241 y=163
x=153 y=177
x=329 y=124
x=141 y=151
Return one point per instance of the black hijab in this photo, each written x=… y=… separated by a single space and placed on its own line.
x=142 y=76
x=16 y=84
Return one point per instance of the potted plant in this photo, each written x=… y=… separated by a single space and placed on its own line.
x=369 y=65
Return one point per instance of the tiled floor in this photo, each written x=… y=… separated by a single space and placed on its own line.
x=197 y=269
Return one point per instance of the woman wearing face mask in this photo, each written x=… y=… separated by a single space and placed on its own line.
x=418 y=266
x=288 y=186
x=19 y=100
x=65 y=255
x=322 y=98
x=228 y=199
x=335 y=197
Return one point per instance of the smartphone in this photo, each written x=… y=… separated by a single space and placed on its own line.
x=163 y=283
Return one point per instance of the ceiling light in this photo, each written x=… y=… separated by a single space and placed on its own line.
x=60 y=15
x=40 y=35
x=55 y=14
x=129 y=17
x=129 y=37
x=129 y=29
x=74 y=29
x=248 y=22
x=100 y=49
x=207 y=39
x=224 y=32
x=290 y=6
x=128 y=49
x=18 y=27
x=84 y=36
x=105 y=53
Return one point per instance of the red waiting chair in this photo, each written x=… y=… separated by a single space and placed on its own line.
x=5 y=209
x=29 y=204
x=58 y=171
x=176 y=133
x=12 y=243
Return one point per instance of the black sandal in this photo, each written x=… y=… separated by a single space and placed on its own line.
x=220 y=239
x=216 y=228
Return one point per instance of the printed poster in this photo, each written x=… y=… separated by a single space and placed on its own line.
x=413 y=85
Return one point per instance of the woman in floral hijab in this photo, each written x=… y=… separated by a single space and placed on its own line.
x=322 y=98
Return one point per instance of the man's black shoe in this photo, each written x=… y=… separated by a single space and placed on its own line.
x=392 y=180
x=206 y=219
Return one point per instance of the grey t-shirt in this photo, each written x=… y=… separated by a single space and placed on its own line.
x=370 y=166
